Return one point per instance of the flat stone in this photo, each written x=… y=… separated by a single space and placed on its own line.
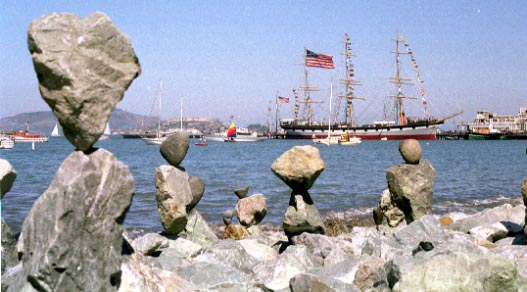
x=410 y=150
x=175 y=147
x=299 y=167
x=149 y=243
x=242 y=192
x=83 y=67
x=7 y=176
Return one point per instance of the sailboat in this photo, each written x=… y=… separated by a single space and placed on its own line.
x=55 y=132
x=399 y=128
x=107 y=132
x=158 y=139
x=231 y=133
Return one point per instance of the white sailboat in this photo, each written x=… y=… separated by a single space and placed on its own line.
x=158 y=139
x=107 y=133
x=55 y=132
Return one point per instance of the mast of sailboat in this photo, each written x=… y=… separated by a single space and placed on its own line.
x=181 y=115
x=307 y=92
x=159 y=119
x=399 y=82
x=329 y=118
x=349 y=81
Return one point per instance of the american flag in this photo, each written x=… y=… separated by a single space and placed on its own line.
x=319 y=60
x=282 y=99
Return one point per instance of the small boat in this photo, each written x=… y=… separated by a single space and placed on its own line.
x=231 y=133
x=6 y=142
x=201 y=142
x=158 y=139
x=25 y=137
x=55 y=132
x=333 y=140
x=345 y=139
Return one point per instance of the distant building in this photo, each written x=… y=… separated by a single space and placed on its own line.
x=486 y=121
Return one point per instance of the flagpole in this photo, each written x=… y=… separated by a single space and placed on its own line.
x=276 y=114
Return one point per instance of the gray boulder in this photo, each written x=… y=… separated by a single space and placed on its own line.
x=410 y=151
x=175 y=147
x=242 y=192
x=411 y=187
x=149 y=243
x=275 y=274
x=460 y=272
x=197 y=186
x=9 y=253
x=299 y=167
x=83 y=66
x=199 y=231
x=251 y=210
x=7 y=176
x=302 y=216
x=319 y=283
x=73 y=233
x=393 y=214
x=511 y=217
x=173 y=195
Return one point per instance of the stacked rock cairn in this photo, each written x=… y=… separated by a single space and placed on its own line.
x=410 y=187
x=72 y=237
x=178 y=194
x=250 y=211
x=299 y=167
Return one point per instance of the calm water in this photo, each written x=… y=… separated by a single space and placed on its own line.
x=470 y=175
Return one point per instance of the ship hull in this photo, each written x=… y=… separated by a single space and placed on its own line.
x=420 y=132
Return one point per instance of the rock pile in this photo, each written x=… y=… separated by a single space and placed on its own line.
x=299 y=167
x=410 y=186
x=250 y=211
x=72 y=236
x=178 y=194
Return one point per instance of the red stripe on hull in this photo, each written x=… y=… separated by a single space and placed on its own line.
x=373 y=137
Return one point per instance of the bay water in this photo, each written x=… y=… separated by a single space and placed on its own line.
x=470 y=175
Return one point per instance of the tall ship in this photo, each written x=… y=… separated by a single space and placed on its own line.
x=400 y=127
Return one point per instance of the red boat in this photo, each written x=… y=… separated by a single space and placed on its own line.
x=201 y=142
x=24 y=136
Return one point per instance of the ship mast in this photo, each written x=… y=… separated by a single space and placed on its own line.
x=349 y=81
x=399 y=82
x=307 y=93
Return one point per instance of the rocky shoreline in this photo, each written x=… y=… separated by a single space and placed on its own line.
x=73 y=238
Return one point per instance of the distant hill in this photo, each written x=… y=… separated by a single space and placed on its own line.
x=43 y=122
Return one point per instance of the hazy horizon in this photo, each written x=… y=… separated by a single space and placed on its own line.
x=235 y=57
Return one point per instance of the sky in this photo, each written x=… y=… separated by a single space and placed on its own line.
x=224 y=58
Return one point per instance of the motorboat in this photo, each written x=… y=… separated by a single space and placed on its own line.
x=6 y=142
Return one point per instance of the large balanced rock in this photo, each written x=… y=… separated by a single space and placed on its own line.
x=251 y=210
x=7 y=176
x=73 y=233
x=83 y=66
x=174 y=196
x=410 y=151
x=175 y=147
x=302 y=216
x=411 y=187
x=299 y=167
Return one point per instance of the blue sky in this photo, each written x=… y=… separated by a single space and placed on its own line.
x=232 y=57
